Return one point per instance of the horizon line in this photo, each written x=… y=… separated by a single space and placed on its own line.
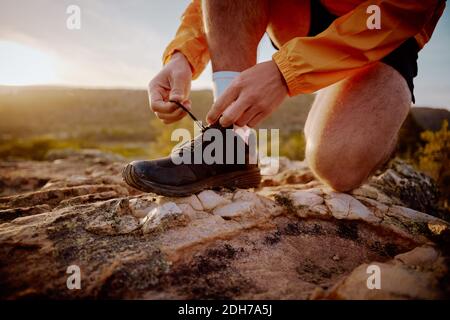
x=5 y=87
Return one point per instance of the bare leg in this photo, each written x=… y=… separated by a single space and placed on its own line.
x=234 y=29
x=353 y=125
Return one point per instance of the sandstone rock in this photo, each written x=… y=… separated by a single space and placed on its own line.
x=344 y=206
x=163 y=217
x=141 y=207
x=192 y=201
x=407 y=187
x=235 y=209
x=114 y=218
x=305 y=198
x=93 y=197
x=122 y=225
x=11 y=214
x=291 y=239
x=420 y=256
x=398 y=281
x=319 y=209
x=284 y=164
x=211 y=199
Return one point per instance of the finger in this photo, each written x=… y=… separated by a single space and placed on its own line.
x=257 y=119
x=171 y=116
x=155 y=93
x=180 y=87
x=233 y=112
x=188 y=105
x=222 y=103
x=164 y=107
x=174 y=120
x=157 y=103
x=245 y=118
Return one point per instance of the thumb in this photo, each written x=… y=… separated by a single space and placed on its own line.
x=179 y=89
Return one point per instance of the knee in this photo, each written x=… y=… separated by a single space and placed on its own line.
x=344 y=184
x=337 y=170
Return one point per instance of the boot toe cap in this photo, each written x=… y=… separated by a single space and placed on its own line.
x=144 y=169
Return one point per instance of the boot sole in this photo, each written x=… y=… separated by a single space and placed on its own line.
x=239 y=179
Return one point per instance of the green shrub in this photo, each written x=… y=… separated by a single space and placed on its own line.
x=434 y=159
x=293 y=146
x=36 y=148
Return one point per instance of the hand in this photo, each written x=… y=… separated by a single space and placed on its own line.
x=251 y=97
x=173 y=82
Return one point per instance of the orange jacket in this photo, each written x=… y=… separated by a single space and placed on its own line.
x=347 y=45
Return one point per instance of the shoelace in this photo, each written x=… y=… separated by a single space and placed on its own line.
x=191 y=144
x=198 y=122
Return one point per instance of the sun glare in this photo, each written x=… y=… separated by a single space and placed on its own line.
x=24 y=65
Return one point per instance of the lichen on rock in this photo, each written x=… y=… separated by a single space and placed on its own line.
x=162 y=217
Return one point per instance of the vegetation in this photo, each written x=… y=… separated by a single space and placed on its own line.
x=434 y=159
x=293 y=146
x=36 y=120
x=36 y=148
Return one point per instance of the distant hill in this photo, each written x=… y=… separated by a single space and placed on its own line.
x=430 y=118
x=124 y=115
x=103 y=114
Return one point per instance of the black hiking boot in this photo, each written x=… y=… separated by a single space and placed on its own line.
x=234 y=168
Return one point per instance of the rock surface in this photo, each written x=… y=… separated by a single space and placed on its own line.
x=291 y=239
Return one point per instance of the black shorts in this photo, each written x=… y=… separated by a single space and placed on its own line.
x=403 y=59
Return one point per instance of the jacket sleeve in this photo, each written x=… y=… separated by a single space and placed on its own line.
x=347 y=45
x=190 y=39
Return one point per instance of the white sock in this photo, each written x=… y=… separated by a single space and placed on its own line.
x=221 y=81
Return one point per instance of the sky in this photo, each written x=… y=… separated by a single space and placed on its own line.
x=120 y=44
